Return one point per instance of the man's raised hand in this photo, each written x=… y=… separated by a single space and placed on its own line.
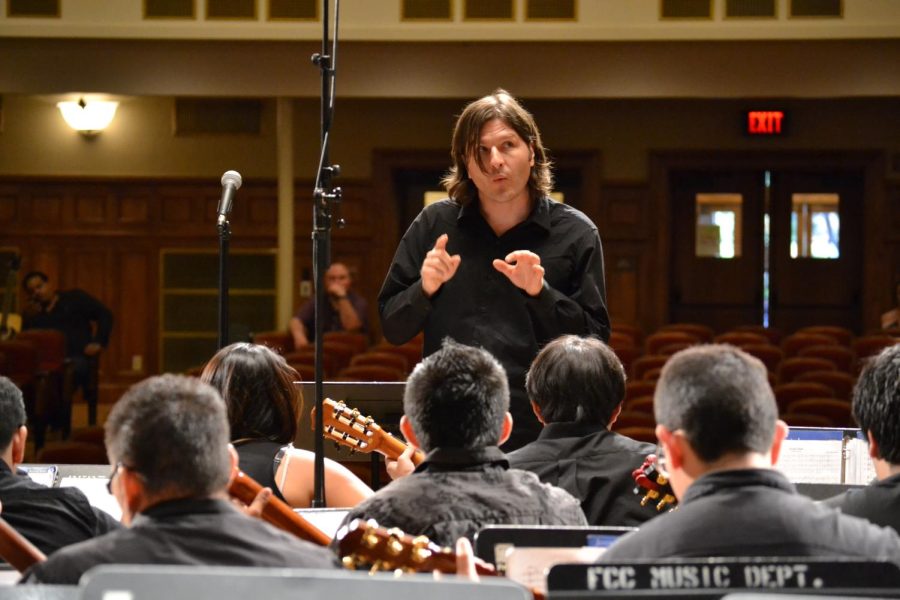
x=523 y=269
x=438 y=266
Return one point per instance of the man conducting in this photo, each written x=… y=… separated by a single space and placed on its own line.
x=167 y=439
x=498 y=264
x=719 y=435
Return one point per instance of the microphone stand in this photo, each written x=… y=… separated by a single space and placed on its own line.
x=324 y=197
x=224 y=229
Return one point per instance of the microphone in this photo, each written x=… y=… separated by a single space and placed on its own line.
x=231 y=181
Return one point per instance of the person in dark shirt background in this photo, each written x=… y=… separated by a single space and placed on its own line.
x=345 y=310
x=84 y=320
x=498 y=264
x=576 y=386
x=876 y=407
x=49 y=517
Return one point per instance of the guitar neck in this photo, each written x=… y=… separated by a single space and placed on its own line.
x=276 y=512
x=16 y=550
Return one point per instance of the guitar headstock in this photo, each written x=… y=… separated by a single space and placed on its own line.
x=653 y=485
x=365 y=544
x=348 y=427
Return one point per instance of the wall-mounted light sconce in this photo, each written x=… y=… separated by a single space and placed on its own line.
x=88 y=118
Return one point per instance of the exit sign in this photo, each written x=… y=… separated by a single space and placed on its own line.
x=766 y=123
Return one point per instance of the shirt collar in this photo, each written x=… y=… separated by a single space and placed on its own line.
x=721 y=480
x=539 y=215
x=568 y=429
x=181 y=506
x=462 y=459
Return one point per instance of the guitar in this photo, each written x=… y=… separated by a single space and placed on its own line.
x=347 y=427
x=10 y=323
x=276 y=512
x=363 y=543
x=653 y=485
x=16 y=549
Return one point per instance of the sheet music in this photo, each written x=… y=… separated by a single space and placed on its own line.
x=860 y=470
x=529 y=566
x=816 y=459
x=95 y=490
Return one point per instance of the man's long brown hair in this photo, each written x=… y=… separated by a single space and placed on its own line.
x=467 y=137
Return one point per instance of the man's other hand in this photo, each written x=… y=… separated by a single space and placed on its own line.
x=438 y=266
x=524 y=270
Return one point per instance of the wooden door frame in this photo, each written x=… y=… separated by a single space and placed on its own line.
x=872 y=163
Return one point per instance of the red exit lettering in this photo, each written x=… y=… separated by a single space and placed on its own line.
x=765 y=122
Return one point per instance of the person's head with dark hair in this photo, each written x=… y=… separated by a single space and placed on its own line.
x=13 y=433
x=258 y=388
x=576 y=379
x=460 y=182
x=168 y=439
x=457 y=397
x=876 y=408
x=37 y=287
x=715 y=410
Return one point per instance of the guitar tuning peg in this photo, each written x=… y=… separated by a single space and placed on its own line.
x=394 y=547
x=377 y=566
x=350 y=562
x=370 y=540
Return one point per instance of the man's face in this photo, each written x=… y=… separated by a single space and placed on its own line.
x=339 y=275
x=507 y=160
x=39 y=290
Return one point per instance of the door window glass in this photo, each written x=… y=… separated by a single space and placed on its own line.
x=815 y=226
x=718 y=226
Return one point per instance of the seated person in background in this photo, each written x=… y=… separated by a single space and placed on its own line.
x=49 y=517
x=456 y=409
x=576 y=387
x=876 y=407
x=345 y=310
x=167 y=438
x=263 y=405
x=719 y=435
x=85 y=321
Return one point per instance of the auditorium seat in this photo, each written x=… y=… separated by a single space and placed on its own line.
x=72 y=453
x=785 y=393
x=385 y=359
x=870 y=345
x=307 y=372
x=371 y=373
x=741 y=338
x=618 y=339
x=645 y=363
x=55 y=375
x=636 y=389
x=841 y=356
x=281 y=342
x=790 y=368
x=411 y=351
x=806 y=420
x=628 y=418
x=773 y=334
x=837 y=410
x=307 y=356
x=841 y=335
x=627 y=355
x=795 y=342
x=704 y=333
x=670 y=349
x=632 y=331
x=652 y=374
x=642 y=404
x=358 y=341
x=94 y=434
x=840 y=383
x=770 y=355
x=659 y=339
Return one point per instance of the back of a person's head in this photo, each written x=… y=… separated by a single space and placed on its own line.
x=576 y=379
x=257 y=386
x=12 y=411
x=876 y=402
x=720 y=397
x=457 y=398
x=172 y=430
